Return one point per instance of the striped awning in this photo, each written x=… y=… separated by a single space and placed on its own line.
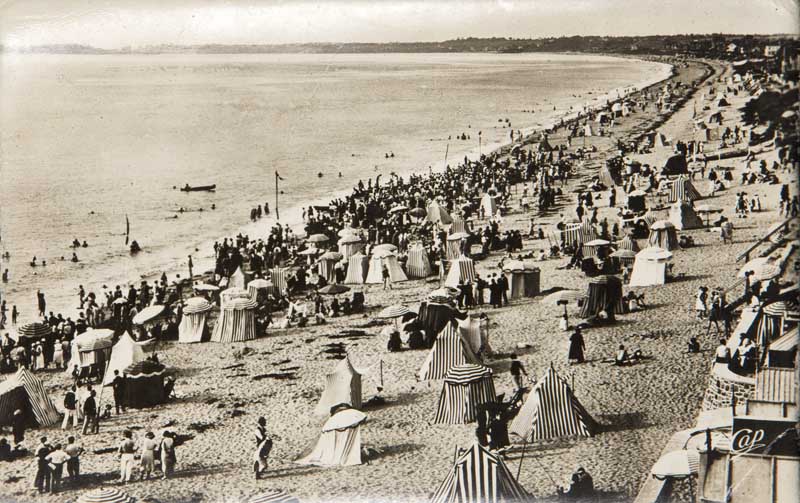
x=776 y=385
x=677 y=464
x=196 y=305
x=461 y=270
x=786 y=342
x=447 y=352
x=777 y=308
x=464 y=374
x=105 y=495
x=463 y=392
x=480 y=476
x=395 y=311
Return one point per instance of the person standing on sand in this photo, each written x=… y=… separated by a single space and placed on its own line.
x=168 y=458
x=516 y=371
x=576 y=346
x=41 y=302
x=90 y=419
x=387 y=280
x=148 y=455
x=126 y=450
x=70 y=408
x=263 y=448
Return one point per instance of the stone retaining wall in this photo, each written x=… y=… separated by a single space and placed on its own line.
x=724 y=384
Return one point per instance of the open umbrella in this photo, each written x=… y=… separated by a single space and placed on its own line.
x=310 y=251
x=196 y=305
x=259 y=284
x=333 y=289
x=120 y=301
x=707 y=210
x=458 y=235
x=317 y=238
x=395 y=311
x=105 y=495
x=624 y=254
x=564 y=297
x=597 y=242
x=398 y=209
x=385 y=246
x=349 y=238
x=676 y=464
x=35 y=330
x=444 y=294
x=205 y=287
x=147 y=314
x=417 y=212
x=277 y=496
x=92 y=340
x=331 y=255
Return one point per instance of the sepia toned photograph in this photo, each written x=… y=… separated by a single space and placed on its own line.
x=390 y=251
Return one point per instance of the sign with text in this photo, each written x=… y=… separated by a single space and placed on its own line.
x=777 y=437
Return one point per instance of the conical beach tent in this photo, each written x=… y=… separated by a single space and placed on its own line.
x=480 y=476
x=236 y=322
x=604 y=294
x=453 y=246
x=193 y=326
x=343 y=385
x=489 y=206
x=682 y=189
x=418 y=265
x=551 y=411
x=123 y=354
x=465 y=388
x=628 y=243
x=92 y=347
x=461 y=269
x=237 y=279
x=25 y=391
x=376 y=263
x=448 y=351
x=357 y=266
x=683 y=216
x=340 y=441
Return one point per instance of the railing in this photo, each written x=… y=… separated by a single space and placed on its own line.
x=746 y=254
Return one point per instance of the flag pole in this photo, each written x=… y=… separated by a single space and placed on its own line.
x=277 y=211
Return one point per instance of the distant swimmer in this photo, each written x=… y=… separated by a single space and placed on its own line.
x=5 y=276
x=75 y=257
x=386 y=155
x=213 y=206
x=340 y=174
x=320 y=175
x=76 y=243
x=44 y=263
x=391 y=155
x=135 y=248
x=181 y=210
x=85 y=244
x=33 y=262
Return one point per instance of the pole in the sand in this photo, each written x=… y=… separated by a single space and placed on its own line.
x=277 y=211
x=479 y=143
x=522 y=457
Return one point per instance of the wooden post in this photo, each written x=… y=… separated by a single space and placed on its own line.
x=521 y=458
x=277 y=211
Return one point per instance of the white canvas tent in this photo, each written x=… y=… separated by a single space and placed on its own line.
x=123 y=354
x=475 y=332
x=650 y=267
x=489 y=206
x=237 y=279
x=357 y=266
x=551 y=411
x=92 y=347
x=343 y=385
x=461 y=269
x=376 y=263
x=340 y=441
x=683 y=216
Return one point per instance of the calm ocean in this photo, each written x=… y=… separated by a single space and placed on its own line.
x=87 y=140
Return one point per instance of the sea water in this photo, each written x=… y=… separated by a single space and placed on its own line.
x=88 y=140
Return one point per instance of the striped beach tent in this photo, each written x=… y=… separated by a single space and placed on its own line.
x=461 y=269
x=357 y=266
x=770 y=324
x=280 y=276
x=465 y=388
x=603 y=294
x=418 y=265
x=453 y=246
x=682 y=189
x=480 y=476
x=277 y=496
x=458 y=225
x=37 y=404
x=551 y=411
x=578 y=233
x=326 y=269
x=448 y=351
x=193 y=322
x=628 y=243
x=663 y=235
x=343 y=385
x=340 y=441
x=236 y=322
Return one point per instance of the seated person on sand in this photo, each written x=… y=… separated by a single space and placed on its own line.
x=302 y=321
x=319 y=319
x=693 y=346
x=580 y=487
x=394 y=344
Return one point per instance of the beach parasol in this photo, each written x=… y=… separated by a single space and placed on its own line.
x=317 y=238
x=417 y=212
x=277 y=496
x=677 y=464
x=457 y=235
x=662 y=224
x=310 y=251
x=438 y=215
x=444 y=294
x=777 y=308
x=385 y=246
x=147 y=314
x=597 y=242
x=382 y=253
x=196 y=305
x=395 y=311
x=347 y=231
x=331 y=255
x=259 y=284
x=752 y=265
x=105 y=495
x=707 y=210
x=35 y=330
x=205 y=287
x=333 y=289
x=120 y=301
x=398 y=209
x=349 y=238
x=91 y=340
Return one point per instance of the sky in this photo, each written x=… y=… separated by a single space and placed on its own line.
x=121 y=23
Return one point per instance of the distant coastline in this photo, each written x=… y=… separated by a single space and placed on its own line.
x=711 y=46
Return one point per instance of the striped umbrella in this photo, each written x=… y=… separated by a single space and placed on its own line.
x=395 y=311
x=333 y=289
x=120 y=301
x=349 y=239
x=259 y=283
x=777 y=308
x=347 y=231
x=205 y=287
x=35 y=330
x=105 y=495
x=148 y=314
x=196 y=305
x=331 y=255
x=277 y=496
x=766 y=271
x=317 y=238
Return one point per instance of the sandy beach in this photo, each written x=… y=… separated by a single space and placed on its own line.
x=222 y=389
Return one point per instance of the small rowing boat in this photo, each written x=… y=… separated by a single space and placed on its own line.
x=199 y=188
